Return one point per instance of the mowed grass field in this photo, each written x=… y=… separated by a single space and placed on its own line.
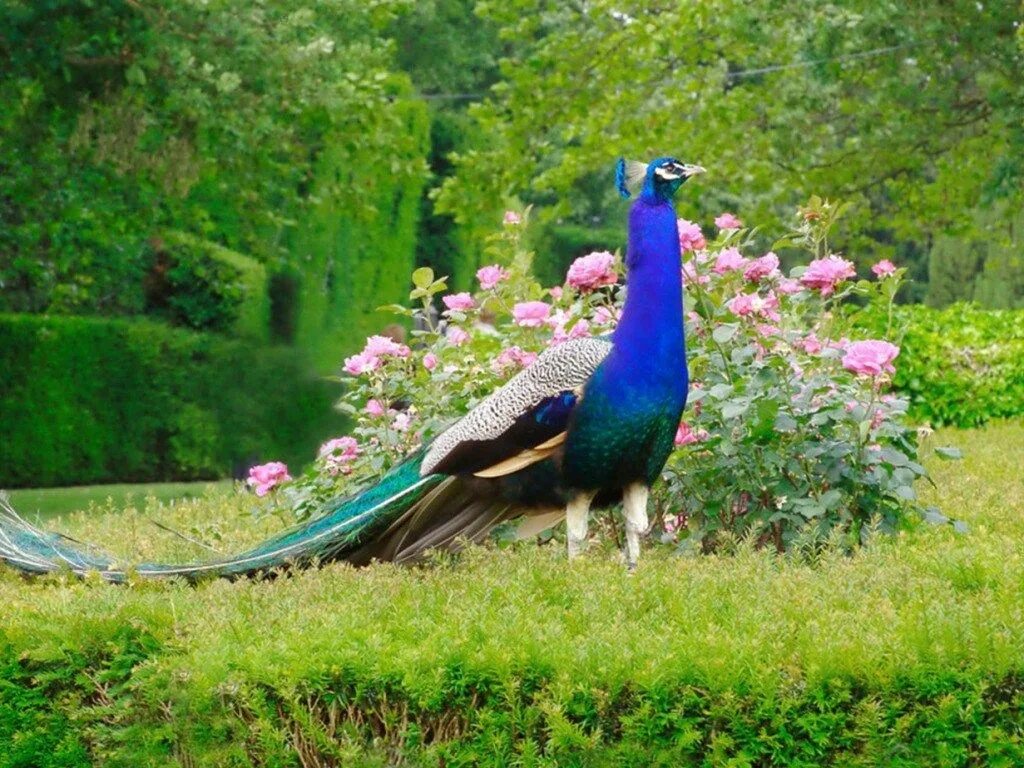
x=910 y=652
x=48 y=503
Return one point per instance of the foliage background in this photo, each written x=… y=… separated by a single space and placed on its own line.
x=271 y=172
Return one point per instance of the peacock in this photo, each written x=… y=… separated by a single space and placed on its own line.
x=589 y=424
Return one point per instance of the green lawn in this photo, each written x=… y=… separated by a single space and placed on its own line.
x=909 y=653
x=47 y=503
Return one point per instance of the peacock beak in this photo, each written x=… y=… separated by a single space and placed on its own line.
x=693 y=170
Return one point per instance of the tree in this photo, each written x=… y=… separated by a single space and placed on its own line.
x=912 y=112
x=123 y=117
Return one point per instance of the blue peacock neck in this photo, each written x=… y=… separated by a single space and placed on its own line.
x=649 y=341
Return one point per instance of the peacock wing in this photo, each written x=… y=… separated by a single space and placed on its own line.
x=522 y=422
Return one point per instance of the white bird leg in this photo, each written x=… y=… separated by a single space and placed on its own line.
x=576 y=514
x=634 y=505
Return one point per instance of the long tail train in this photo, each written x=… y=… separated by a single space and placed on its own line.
x=397 y=519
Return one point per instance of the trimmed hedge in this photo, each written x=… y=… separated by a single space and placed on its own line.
x=961 y=365
x=86 y=400
x=348 y=258
x=908 y=653
x=211 y=288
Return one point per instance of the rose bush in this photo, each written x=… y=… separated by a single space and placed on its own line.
x=789 y=436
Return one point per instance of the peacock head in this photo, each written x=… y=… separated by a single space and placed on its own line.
x=659 y=179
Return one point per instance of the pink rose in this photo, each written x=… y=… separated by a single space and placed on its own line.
x=690 y=236
x=382 y=346
x=578 y=331
x=747 y=304
x=870 y=358
x=531 y=314
x=727 y=221
x=810 y=344
x=338 y=453
x=490 y=276
x=825 y=274
x=512 y=218
x=690 y=274
x=687 y=436
x=430 y=361
x=458 y=301
x=604 y=316
x=513 y=356
x=789 y=286
x=264 y=477
x=555 y=292
x=729 y=259
x=374 y=408
x=766 y=266
x=361 y=363
x=592 y=271
x=456 y=336
x=884 y=268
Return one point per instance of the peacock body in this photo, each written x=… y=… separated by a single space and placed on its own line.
x=591 y=421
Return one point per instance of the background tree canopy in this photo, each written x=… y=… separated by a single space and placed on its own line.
x=271 y=172
x=913 y=112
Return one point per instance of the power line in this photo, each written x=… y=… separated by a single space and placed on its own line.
x=738 y=74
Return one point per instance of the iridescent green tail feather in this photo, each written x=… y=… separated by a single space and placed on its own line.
x=349 y=526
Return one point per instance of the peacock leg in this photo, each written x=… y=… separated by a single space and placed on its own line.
x=576 y=514
x=634 y=504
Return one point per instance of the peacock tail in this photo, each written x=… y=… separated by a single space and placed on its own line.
x=348 y=526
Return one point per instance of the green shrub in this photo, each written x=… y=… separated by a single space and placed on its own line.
x=907 y=653
x=203 y=286
x=961 y=365
x=88 y=400
x=351 y=257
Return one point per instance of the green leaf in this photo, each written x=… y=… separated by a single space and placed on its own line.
x=723 y=333
x=785 y=423
x=949 y=453
x=135 y=75
x=721 y=391
x=423 y=277
x=734 y=409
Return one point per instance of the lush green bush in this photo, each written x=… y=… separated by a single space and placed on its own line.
x=206 y=287
x=961 y=365
x=297 y=144
x=352 y=256
x=88 y=400
x=907 y=653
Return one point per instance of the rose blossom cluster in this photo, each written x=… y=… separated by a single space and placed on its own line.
x=749 y=304
x=686 y=435
x=884 y=269
x=514 y=356
x=265 y=477
x=590 y=272
x=490 y=276
x=458 y=302
x=339 y=453
x=729 y=259
x=825 y=274
x=870 y=358
x=371 y=358
x=531 y=314
x=690 y=236
x=727 y=221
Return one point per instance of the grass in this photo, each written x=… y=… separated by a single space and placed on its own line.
x=910 y=652
x=48 y=503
